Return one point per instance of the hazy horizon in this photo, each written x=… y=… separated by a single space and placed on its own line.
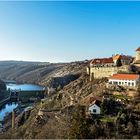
x=68 y=31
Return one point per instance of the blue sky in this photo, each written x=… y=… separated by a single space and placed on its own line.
x=68 y=31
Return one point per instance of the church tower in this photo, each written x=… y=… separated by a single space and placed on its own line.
x=137 y=54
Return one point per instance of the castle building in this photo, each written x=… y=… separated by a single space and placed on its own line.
x=106 y=67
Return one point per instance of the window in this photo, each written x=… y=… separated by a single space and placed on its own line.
x=94 y=110
x=132 y=84
x=119 y=83
x=115 y=83
x=128 y=83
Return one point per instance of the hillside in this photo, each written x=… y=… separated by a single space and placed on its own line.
x=61 y=114
x=55 y=124
x=56 y=120
x=37 y=72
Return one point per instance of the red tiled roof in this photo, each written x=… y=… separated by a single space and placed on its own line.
x=92 y=99
x=116 y=57
x=124 y=76
x=138 y=49
x=97 y=102
x=102 y=61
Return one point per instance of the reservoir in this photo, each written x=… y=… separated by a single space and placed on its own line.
x=27 y=91
x=25 y=87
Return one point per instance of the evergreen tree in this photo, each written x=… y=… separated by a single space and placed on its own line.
x=79 y=128
x=119 y=63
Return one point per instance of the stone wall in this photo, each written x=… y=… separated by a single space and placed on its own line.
x=101 y=72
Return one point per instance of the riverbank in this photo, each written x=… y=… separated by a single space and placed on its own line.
x=4 y=101
x=5 y=112
x=19 y=110
x=25 y=96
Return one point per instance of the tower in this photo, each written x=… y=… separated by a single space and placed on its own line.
x=138 y=54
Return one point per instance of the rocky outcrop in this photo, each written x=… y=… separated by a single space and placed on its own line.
x=60 y=82
x=79 y=91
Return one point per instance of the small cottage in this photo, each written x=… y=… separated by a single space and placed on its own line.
x=95 y=107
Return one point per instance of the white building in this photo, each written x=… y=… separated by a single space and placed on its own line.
x=126 y=80
x=94 y=108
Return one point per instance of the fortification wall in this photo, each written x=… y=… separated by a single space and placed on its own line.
x=100 y=72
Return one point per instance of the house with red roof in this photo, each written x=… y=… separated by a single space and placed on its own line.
x=124 y=59
x=102 y=62
x=125 y=80
x=111 y=61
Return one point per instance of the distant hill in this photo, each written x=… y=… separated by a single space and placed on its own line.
x=37 y=72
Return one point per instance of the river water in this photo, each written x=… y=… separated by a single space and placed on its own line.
x=25 y=87
x=7 y=108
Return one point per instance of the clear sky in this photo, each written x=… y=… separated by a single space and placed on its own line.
x=68 y=31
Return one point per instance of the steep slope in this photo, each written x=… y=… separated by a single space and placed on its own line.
x=80 y=90
x=64 y=75
x=52 y=119
x=55 y=124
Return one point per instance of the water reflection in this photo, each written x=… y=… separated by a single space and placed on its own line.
x=7 y=108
